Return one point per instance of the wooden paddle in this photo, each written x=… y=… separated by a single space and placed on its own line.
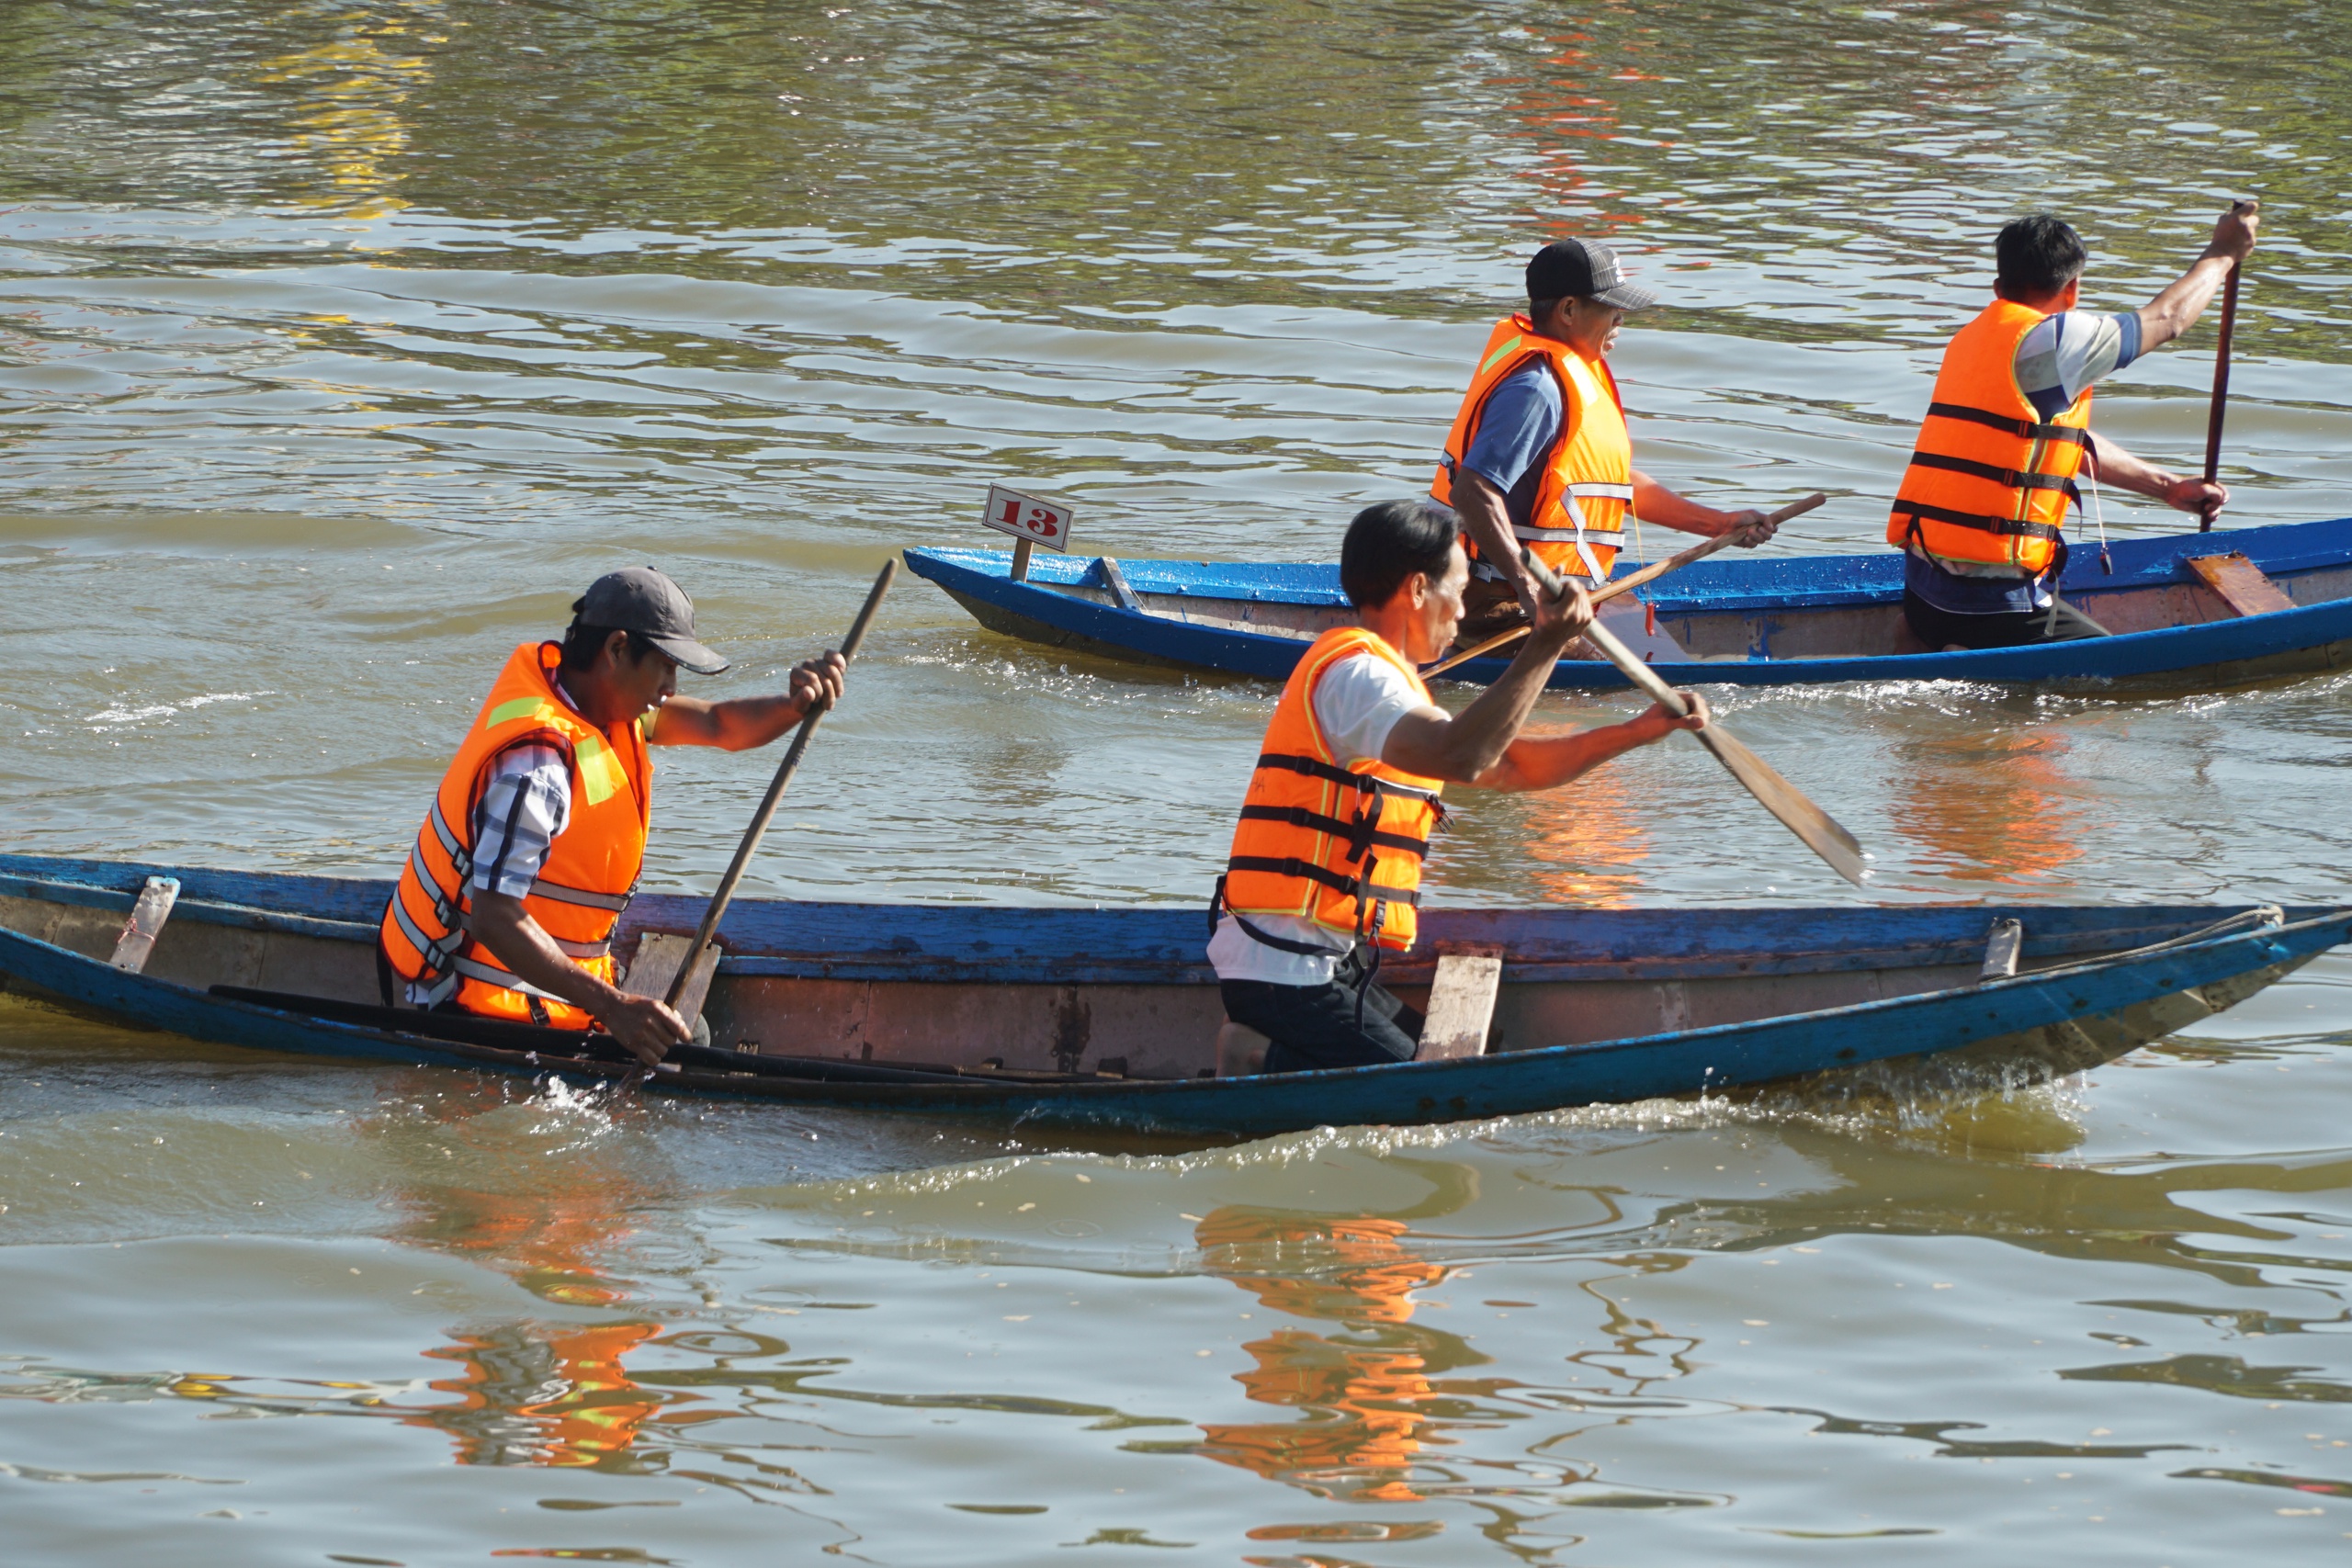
x=2221 y=395
x=702 y=955
x=1820 y=831
x=1630 y=581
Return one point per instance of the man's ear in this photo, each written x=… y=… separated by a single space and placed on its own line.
x=616 y=644
x=2069 y=296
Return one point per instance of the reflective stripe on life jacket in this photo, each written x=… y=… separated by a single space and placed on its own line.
x=1338 y=844
x=1991 y=479
x=1577 y=521
x=591 y=869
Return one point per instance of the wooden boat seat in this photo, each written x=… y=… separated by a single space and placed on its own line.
x=2244 y=586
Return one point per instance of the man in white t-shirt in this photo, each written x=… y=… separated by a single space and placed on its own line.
x=1326 y=866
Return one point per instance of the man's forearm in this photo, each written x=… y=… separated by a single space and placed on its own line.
x=1653 y=502
x=515 y=940
x=2175 y=309
x=1547 y=761
x=1480 y=506
x=2114 y=465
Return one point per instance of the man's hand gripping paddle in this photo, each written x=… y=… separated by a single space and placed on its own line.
x=702 y=955
x=1819 y=830
x=1630 y=581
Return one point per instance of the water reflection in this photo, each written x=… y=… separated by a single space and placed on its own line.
x=1990 y=805
x=351 y=94
x=1360 y=1392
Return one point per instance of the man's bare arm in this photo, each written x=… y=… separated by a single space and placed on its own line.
x=739 y=724
x=1480 y=506
x=644 y=1024
x=1458 y=747
x=2175 y=309
x=1547 y=761
x=2116 y=467
x=1653 y=502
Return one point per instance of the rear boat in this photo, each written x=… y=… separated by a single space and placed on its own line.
x=1779 y=621
x=1105 y=1019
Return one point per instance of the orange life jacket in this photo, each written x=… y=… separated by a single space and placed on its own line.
x=1338 y=843
x=1990 y=480
x=1578 y=523
x=591 y=869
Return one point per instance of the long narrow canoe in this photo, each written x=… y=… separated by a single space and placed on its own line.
x=1776 y=620
x=1106 y=1019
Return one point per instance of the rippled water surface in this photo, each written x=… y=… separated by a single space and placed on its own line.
x=342 y=342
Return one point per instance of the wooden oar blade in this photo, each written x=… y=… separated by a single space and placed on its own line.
x=1822 y=833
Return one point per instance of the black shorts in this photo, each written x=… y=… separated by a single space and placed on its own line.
x=1322 y=1026
x=1941 y=628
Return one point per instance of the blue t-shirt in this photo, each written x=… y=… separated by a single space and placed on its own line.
x=1522 y=421
x=2058 y=359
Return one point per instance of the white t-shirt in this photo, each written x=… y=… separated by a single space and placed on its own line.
x=1357 y=702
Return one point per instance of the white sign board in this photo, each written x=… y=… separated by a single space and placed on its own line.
x=1029 y=517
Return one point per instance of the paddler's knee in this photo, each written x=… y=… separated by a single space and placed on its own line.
x=1240 y=1051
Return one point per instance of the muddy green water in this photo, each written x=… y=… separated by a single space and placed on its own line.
x=342 y=341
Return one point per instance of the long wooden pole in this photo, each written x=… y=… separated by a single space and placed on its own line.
x=1628 y=583
x=701 y=953
x=1820 y=831
x=2221 y=396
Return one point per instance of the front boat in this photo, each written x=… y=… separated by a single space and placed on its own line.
x=1106 y=1019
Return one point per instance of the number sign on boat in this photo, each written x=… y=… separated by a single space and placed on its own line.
x=1031 y=519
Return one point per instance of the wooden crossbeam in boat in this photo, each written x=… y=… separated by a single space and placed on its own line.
x=1117 y=580
x=658 y=955
x=2003 y=943
x=2243 y=585
x=1462 y=1001
x=146 y=923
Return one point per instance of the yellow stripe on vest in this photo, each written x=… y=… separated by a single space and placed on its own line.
x=600 y=770
x=520 y=708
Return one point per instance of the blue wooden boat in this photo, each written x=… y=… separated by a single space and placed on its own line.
x=1778 y=620
x=1105 y=1019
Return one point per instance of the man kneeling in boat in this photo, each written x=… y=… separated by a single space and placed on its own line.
x=1979 y=514
x=1539 y=453
x=1326 y=868
x=533 y=845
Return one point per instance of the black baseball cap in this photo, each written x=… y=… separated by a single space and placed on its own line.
x=1586 y=269
x=640 y=599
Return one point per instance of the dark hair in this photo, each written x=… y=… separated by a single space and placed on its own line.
x=2038 y=255
x=1535 y=308
x=1388 y=543
x=583 y=643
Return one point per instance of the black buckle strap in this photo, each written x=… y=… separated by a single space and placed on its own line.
x=1317 y=768
x=2024 y=429
x=2015 y=478
x=2007 y=526
x=1354 y=832
x=1355 y=887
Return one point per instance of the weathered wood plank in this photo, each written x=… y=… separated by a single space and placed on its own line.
x=659 y=956
x=146 y=923
x=2243 y=585
x=1462 y=1005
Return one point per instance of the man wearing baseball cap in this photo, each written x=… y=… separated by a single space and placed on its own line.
x=1539 y=455
x=508 y=902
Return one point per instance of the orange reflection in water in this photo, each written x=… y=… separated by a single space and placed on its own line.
x=1359 y=1398
x=531 y=1391
x=1586 y=843
x=1993 y=806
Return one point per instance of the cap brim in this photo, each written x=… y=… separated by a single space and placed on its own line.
x=690 y=655
x=1628 y=297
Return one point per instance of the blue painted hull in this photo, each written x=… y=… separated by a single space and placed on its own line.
x=2094 y=992
x=1769 y=593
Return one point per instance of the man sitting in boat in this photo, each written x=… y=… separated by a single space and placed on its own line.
x=532 y=847
x=1979 y=513
x=1326 y=868
x=1539 y=453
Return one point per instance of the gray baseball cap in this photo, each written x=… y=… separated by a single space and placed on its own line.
x=1586 y=269
x=640 y=599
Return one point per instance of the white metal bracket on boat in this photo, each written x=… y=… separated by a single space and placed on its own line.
x=658 y=955
x=1462 y=1001
x=2002 y=946
x=146 y=923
